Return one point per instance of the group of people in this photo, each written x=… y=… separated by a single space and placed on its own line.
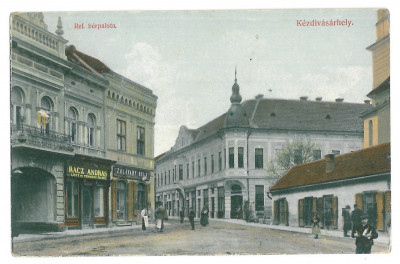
x=357 y=221
x=160 y=215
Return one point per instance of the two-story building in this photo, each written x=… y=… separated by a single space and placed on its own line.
x=223 y=164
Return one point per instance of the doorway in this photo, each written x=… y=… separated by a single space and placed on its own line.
x=87 y=215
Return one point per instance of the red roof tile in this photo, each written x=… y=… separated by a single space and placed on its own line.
x=368 y=161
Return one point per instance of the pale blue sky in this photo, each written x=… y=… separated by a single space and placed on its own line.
x=188 y=58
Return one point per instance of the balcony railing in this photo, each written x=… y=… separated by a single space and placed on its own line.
x=34 y=136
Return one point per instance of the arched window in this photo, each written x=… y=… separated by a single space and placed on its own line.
x=72 y=123
x=371 y=133
x=45 y=114
x=121 y=200
x=91 y=129
x=16 y=107
x=236 y=189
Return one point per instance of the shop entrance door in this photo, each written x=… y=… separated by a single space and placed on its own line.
x=87 y=216
x=236 y=206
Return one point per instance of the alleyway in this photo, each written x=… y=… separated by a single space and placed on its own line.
x=219 y=238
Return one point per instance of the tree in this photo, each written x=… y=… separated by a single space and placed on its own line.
x=293 y=153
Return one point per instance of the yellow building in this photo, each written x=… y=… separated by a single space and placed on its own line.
x=377 y=120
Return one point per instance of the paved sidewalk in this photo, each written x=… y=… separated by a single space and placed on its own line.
x=382 y=239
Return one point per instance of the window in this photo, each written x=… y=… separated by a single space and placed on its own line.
x=72 y=198
x=192 y=169
x=98 y=201
x=308 y=211
x=212 y=163
x=162 y=180
x=72 y=131
x=180 y=172
x=165 y=178
x=297 y=156
x=169 y=176
x=205 y=166
x=16 y=107
x=370 y=132
x=231 y=158
x=336 y=152
x=140 y=141
x=369 y=207
x=173 y=174
x=240 y=157
x=121 y=200
x=187 y=171
x=47 y=107
x=220 y=161
x=259 y=197
x=121 y=135
x=259 y=158
x=91 y=130
x=225 y=158
x=316 y=154
x=328 y=211
x=198 y=168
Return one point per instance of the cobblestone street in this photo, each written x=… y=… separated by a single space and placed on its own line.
x=219 y=238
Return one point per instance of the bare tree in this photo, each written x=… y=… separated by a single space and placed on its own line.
x=293 y=153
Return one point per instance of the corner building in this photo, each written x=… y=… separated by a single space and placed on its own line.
x=79 y=131
x=224 y=163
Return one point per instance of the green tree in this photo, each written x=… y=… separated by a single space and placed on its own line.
x=293 y=153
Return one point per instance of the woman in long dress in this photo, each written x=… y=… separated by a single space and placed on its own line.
x=315 y=225
x=204 y=216
x=159 y=215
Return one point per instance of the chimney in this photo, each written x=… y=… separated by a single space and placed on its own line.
x=319 y=99
x=339 y=100
x=367 y=101
x=330 y=162
x=259 y=96
x=303 y=98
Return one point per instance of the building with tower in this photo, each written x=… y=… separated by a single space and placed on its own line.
x=223 y=164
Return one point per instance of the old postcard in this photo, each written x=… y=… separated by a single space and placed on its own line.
x=198 y=133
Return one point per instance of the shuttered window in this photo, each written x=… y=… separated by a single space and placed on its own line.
x=300 y=212
x=335 y=212
x=379 y=211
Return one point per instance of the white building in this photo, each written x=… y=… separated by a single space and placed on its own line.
x=224 y=162
x=327 y=186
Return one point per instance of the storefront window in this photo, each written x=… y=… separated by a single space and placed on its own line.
x=72 y=194
x=98 y=201
x=121 y=200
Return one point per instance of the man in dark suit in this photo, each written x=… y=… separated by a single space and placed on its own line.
x=191 y=217
x=365 y=235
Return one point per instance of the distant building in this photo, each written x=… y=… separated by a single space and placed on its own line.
x=377 y=119
x=326 y=186
x=224 y=162
x=81 y=135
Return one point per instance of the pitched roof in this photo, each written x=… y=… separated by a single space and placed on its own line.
x=284 y=114
x=365 y=162
x=86 y=61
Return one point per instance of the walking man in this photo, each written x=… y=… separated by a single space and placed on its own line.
x=346 y=220
x=365 y=235
x=191 y=217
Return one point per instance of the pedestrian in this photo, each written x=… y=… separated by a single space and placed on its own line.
x=191 y=217
x=159 y=216
x=365 y=235
x=145 y=219
x=315 y=225
x=355 y=216
x=204 y=216
x=181 y=215
x=150 y=214
x=346 y=220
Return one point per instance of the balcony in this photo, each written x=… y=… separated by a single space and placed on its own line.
x=37 y=138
